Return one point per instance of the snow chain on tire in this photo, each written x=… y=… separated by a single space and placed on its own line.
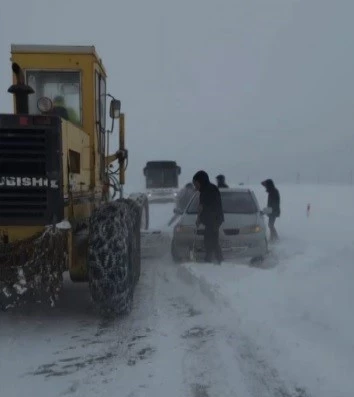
x=114 y=255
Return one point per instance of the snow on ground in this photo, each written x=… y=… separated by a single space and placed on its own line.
x=196 y=330
x=299 y=311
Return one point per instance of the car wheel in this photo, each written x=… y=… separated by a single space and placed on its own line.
x=257 y=260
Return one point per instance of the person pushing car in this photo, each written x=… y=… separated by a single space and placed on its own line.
x=210 y=214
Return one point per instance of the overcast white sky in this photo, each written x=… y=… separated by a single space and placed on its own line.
x=249 y=88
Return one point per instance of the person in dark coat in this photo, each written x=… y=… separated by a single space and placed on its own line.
x=220 y=179
x=274 y=204
x=210 y=214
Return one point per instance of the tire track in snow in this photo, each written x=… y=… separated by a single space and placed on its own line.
x=175 y=342
x=131 y=343
x=205 y=372
x=262 y=379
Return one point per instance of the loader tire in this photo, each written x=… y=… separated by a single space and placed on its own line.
x=136 y=214
x=110 y=264
x=143 y=203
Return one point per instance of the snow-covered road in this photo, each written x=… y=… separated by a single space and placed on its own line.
x=205 y=331
x=176 y=342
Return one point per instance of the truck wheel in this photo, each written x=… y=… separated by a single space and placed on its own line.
x=110 y=257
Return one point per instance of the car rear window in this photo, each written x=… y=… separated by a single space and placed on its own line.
x=232 y=203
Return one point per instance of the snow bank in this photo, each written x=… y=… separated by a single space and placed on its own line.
x=300 y=310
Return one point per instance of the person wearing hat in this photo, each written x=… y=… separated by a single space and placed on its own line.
x=60 y=109
x=220 y=179
x=210 y=214
x=274 y=204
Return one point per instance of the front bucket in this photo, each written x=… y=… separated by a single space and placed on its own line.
x=154 y=243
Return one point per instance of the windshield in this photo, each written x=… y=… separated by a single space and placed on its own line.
x=63 y=88
x=161 y=178
x=232 y=203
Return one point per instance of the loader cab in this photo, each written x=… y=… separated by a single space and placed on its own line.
x=162 y=180
x=70 y=82
x=54 y=168
x=70 y=77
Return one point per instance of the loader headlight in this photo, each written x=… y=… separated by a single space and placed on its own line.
x=44 y=104
x=250 y=229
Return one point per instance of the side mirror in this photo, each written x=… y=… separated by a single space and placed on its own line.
x=179 y=170
x=266 y=211
x=177 y=211
x=114 y=109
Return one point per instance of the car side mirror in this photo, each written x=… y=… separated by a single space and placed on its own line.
x=177 y=211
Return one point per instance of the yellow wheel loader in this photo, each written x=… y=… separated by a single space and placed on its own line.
x=58 y=183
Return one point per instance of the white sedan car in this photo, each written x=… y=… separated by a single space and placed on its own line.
x=242 y=234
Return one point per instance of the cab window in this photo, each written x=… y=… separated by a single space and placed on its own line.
x=63 y=88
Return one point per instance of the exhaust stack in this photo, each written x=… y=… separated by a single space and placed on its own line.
x=20 y=90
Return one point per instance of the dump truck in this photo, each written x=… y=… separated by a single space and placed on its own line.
x=59 y=209
x=161 y=179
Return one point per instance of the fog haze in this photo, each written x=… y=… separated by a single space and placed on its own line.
x=251 y=88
